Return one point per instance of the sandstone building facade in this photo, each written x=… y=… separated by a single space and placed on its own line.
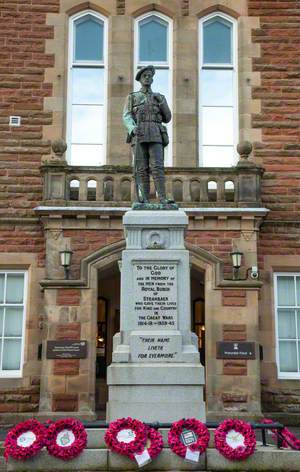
x=230 y=72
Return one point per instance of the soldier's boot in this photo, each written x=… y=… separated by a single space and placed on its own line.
x=160 y=189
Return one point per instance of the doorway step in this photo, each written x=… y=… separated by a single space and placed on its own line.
x=97 y=458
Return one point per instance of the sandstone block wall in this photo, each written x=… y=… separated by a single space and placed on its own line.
x=23 y=88
x=33 y=37
x=279 y=152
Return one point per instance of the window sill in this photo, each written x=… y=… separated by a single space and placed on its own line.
x=290 y=376
x=10 y=375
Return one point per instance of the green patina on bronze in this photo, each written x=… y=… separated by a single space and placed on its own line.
x=143 y=116
x=154 y=206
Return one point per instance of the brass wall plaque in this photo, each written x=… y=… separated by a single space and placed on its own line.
x=235 y=350
x=66 y=349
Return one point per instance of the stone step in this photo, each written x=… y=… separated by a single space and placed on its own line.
x=96 y=460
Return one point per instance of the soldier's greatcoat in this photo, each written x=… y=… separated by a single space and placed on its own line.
x=144 y=113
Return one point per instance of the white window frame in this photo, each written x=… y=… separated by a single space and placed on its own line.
x=96 y=64
x=285 y=375
x=158 y=65
x=15 y=373
x=233 y=67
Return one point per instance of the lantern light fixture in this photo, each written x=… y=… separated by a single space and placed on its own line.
x=236 y=258
x=65 y=260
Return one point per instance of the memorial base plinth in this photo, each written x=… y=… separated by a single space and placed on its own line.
x=155 y=373
x=155 y=392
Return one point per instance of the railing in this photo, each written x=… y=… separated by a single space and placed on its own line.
x=262 y=427
x=114 y=185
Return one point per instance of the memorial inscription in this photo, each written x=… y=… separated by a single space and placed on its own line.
x=155 y=295
x=155 y=348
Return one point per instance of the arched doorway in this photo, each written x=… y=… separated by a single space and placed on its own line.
x=108 y=322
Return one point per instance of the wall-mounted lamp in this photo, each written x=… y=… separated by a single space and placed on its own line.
x=65 y=261
x=236 y=257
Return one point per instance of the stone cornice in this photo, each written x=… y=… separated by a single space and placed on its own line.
x=205 y=211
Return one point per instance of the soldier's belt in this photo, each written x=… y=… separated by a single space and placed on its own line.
x=149 y=120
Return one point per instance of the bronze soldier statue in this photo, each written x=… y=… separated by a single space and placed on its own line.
x=144 y=113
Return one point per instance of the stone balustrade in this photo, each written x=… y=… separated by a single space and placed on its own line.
x=191 y=187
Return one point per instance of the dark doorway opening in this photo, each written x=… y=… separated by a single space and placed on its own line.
x=108 y=323
x=198 y=310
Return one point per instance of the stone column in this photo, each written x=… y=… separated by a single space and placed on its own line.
x=119 y=86
x=68 y=385
x=185 y=105
x=156 y=373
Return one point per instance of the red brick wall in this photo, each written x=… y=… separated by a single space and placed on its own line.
x=21 y=400
x=23 y=34
x=218 y=243
x=282 y=238
x=85 y=242
x=23 y=238
x=234 y=298
x=279 y=151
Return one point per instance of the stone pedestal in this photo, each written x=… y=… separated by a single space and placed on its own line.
x=156 y=373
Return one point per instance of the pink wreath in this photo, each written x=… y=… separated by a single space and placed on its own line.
x=287 y=437
x=129 y=449
x=13 y=442
x=62 y=432
x=191 y=424
x=240 y=428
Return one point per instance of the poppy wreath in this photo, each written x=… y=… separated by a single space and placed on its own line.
x=126 y=436
x=66 y=438
x=235 y=439
x=287 y=437
x=25 y=440
x=154 y=443
x=193 y=432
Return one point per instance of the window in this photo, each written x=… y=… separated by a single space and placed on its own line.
x=12 y=322
x=218 y=119
x=153 y=41
x=287 y=306
x=87 y=121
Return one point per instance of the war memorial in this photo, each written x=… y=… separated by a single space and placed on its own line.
x=155 y=343
x=155 y=381
x=149 y=230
